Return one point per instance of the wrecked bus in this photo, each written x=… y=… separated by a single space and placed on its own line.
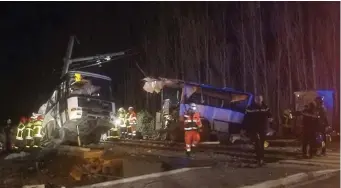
x=222 y=109
x=80 y=109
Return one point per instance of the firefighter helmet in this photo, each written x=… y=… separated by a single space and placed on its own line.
x=193 y=106
x=23 y=119
x=121 y=110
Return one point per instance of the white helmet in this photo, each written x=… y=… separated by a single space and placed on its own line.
x=193 y=106
x=130 y=108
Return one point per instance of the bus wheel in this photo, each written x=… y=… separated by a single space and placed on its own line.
x=224 y=138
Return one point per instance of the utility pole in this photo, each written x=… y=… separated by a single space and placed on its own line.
x=68 y=61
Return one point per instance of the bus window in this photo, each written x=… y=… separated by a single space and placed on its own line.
x=214 y=102
x=194 y=98
x=239 y=105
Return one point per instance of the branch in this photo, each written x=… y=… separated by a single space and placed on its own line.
x=138 y=66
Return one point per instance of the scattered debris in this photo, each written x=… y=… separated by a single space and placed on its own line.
x=34 y=186
x=16 y=155
x=92 y=164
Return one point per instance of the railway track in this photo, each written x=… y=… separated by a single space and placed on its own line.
x=238 y=150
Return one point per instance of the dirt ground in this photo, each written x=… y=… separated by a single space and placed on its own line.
x=53 y=171
x=58 y=169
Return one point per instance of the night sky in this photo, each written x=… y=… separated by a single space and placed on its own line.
x=34 y=40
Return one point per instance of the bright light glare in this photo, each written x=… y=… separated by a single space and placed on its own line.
x=117 y=122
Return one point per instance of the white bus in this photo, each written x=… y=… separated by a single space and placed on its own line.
x=80 y=105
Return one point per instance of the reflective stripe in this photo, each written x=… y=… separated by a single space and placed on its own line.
x=188 y=147
x=186 y=115
x=188 y=121
x=190 y=128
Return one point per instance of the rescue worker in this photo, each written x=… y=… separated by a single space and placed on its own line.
x=257 y=118
x=113 y=131
x=310 y=124
x=322 y=121
x=192 y=127
x=287 y=122
x=122 y=122
x=132 y=122
x=20 y=132
x=37 y=126
x=28 y=133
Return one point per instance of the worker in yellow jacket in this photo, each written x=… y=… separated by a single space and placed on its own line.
x=37 y=126
x=29 y=133
x=20 y=133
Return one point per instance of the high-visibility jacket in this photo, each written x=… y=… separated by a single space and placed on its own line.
x=122 y=117
x=132 y=119
x=192 y=121
x=20 y=131
x=37 y=126
x=29 y=130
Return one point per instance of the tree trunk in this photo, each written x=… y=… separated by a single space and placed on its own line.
x=243 y=48
x=287 y=44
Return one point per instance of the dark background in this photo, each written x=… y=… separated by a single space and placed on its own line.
x=34 y=38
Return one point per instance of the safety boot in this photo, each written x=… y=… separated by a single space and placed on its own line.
x=188 y=153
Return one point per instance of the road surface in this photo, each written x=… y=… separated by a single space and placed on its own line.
x=224 y=171
x=331 y=182
x=225 y=174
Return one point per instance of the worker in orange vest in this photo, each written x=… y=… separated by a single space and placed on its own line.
x=192 y=127
x=132 y=122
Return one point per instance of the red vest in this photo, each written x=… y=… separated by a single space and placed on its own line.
x=132 y=118
x=192 y=122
